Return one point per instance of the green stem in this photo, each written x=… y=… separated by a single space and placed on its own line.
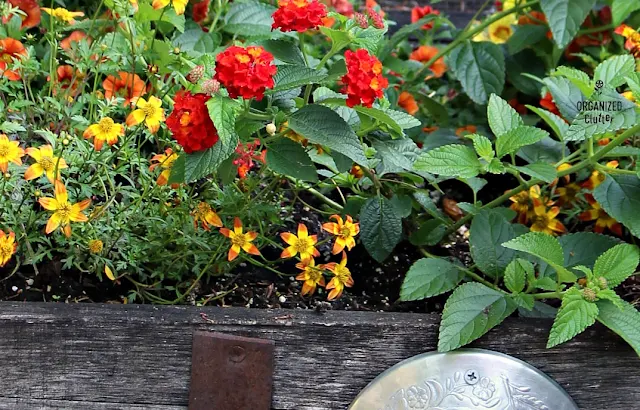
x=548 y=295
x=307 y=90
x=467 y=272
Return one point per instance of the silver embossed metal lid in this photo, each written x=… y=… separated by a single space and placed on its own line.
x=466 y=379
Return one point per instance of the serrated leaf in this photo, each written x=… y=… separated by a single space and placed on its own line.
x=294 y=76
x=624 y=322
x=613 y=70
x=611 y=296
x=619 y=196
x=430 y=277
x=321 y=125
x=545 y=247
x=513 y=140
x=176 y=175
x=396 y=155
x=557 y=124
x=621 y=9
x=197 y=40
x=579 y=78
x=489 y=230
x=368 y=38
x=565 y=95
x=524 y=301
x=483 y=146
x=480 y=67
x=633 y=81
x=516 y=274
x=545 y=150
x=450 y=160
x=222 y=111
x=617 y=264
x=429 y=233
x=525 y=36
x=147 y=13
x=470 y=312
x=495 y=166
x=339 y=39
x=380 y=227
x=382 y=117
x=404 y=120
x=249 y=18
x=285 y=51
x=574 y=316
x=11 y=127
x=289 y=158
x=543 y=171
x=545 y=284
x=502 y=117
x=203 y=163
x=565 y=18
x=475 y=183
x=428 y=205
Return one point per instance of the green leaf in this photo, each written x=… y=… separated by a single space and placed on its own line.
x=402 y=34
x=285 y=51
x=502 y=117
x=450 y=160
x=617 y=264
x=429 y=233
x=489 y=230
x=525 y=36
x=289 y=158
x=384 y=118
x=176 y=175
x=519 y=66
x=565 y=95
x=579 y=78
x=621 y=9
x=475 y=183
x=293 y=76
x=429 y=277
x=483 y=146
x=613 y=70
x=619 y=196
x=147 y=13
x=480 y=68
x=428 y=205
x=557 y=124
x=581 y=248
x=222 y=111
x=624 y=322
x=321 y=125
x=495 y=166
x=633 y=81
x=512 y=141
x=200 y=164
x=545 y=150
x=565 y=18
x=620 y=113
x=368 y=38
x=396 y=155
x=545 y=247
x=339 y=39
x=545 y=284
x=404 y=120
x=11 y=127
x=197 y=40
x=470 y=312
x=543 y=171
x=380 y=227
x=611 y=296
x=574 y=316
x=515 y=276
x=436 y=110
x=249 y=18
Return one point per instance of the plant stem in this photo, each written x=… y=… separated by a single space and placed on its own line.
x=307 y=90
x=548 y=295
x=467 y=272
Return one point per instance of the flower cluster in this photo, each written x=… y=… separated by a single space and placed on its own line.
x=419 y=12
x=364 y=81
x=245 y=72
x=246 y=157
x=190 y=123
x=299 y=15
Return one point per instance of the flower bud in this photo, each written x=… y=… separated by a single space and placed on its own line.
x=195 y=74
x=210 y=87
x=361 y=20
x=7 y=175
x=37 y=194
x=589 y=294
x=602 y=283
x=271 y=129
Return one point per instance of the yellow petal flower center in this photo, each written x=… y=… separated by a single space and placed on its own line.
x=4 y=150
x=202 y=210
x=95 y=246
x=314 y=274
x=46 y=163
x=64 y=211
x=185 y=119
x=541 y=221
x=106 y=125
x=345 y=232
x=6 y=58
x=342 y=273
x=503 y=32
x=302 y=245
x=6 y=250
x=149 y=110
x=239 y=240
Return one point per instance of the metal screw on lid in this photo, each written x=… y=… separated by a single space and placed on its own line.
x=466 y=379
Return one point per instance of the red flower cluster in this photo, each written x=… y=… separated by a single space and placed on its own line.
x=190 y=123
x=245 y=72
x=419 y=12
x=364 y=81
x=246 y=156
x=547 y=103
x=299 y=15
x=201 y=11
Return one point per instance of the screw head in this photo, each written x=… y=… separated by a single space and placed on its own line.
x=471 y=377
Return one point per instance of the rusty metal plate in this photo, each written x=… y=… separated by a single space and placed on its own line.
x=230 y=372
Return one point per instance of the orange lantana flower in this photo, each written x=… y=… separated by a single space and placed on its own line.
x=407 y=102
x=303 y=244
x=46 y=163
x=467 y=129
x=341 y=277
x=8 y=247
x=127 y=85
x=164 y=161
x=204 y=215
x=10 y=151
x=239 y=240
x=598 y=177
x=63 y=211
x=426 y=53
x=602 y=218
x=10 y=49
x=544 y=220
x=344 y=231
x=311 y=276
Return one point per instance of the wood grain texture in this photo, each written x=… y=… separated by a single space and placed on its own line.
x=138 y=357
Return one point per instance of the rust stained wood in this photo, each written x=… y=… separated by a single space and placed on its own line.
x=139 y=357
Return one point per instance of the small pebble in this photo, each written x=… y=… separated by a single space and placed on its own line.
x=282 y=299
x=30 y=282
x=14 y=288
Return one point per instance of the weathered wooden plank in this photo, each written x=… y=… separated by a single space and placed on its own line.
x=140 y=355
x=34 y=404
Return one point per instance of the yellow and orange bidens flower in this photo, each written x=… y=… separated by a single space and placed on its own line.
x=544 y=220
x=164 y=161
x=598 y=177
x=344 y=231
x=63 y=14
x=46 y=163
x=148 y=111
x=178 y=5
x=311 y=276
x=8 y=247
x=206 y=216
x=240 y=240
x=104 y=131
x=303 y=244
x=633 y=39
x=10 y=49
x=63 y=211
x=602 y=218
x=341 y=277
x=10 y=151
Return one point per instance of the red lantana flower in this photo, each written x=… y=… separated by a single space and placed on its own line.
x=201 y=11
x=245 y=72
x=364 y=81
x=419 y=12
x=298 y=15
x=190 y=123
x=10 y=49
x=246 y=156
x=548 y=104
x=127 y=85
x=31 y=10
